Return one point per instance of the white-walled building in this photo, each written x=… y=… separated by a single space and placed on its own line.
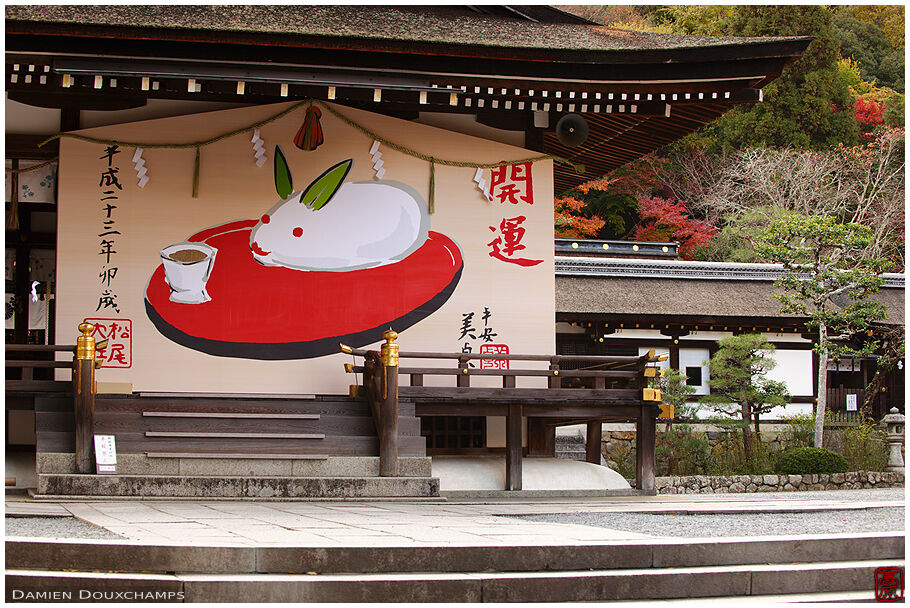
x=626 y=305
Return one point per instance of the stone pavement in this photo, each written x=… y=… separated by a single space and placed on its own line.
x=379 y=523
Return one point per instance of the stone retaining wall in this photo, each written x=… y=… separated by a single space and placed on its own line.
x=729 y=484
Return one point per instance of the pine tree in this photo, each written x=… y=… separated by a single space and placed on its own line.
x=829 y=278
x=739 y=385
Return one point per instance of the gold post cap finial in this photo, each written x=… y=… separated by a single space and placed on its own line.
x=345 y=348
x=85 y=344
x=389 y=350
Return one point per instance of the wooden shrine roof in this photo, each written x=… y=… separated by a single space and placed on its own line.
x=515 y=67
x=397 y=24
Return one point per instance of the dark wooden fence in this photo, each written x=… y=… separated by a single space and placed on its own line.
x=613 y=388
x=81 y=385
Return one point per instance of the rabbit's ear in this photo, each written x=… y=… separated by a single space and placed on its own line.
x=324 y=187
x=284 y=184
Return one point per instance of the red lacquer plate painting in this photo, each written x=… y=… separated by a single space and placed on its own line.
x=270 y=312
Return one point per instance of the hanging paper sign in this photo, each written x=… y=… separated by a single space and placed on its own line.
x=851 y=403
x=105 y=454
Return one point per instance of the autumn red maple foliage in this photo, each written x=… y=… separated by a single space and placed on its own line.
x=570 y=223
x=867 y=112
x=668 y=219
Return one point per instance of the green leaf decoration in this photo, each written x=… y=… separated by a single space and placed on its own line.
x=284 y=184
x=324 y=187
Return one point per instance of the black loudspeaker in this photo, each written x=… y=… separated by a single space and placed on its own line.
x=572 y=130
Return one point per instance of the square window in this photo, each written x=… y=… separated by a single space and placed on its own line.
x=693 y=376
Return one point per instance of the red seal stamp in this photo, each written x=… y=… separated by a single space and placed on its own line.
x=889 y=584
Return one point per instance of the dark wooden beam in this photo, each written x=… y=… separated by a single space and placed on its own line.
x=644 y=449
x=593 y=441
x=541 y=437
x=61 y=98
x=703 y=322
x=513 y=448
x=552 y=413
x=26 y=146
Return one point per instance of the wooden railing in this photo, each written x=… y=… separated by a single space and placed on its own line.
x=616 y=387
x=82 y=383
x=27 y=382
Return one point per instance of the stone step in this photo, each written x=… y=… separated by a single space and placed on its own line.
x=243 y=465
x=630 y=554
x=69 y=485
x=576 y=585
x=841 y=597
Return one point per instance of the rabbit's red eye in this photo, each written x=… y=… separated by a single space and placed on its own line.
x=298 y=231
x=265 y=219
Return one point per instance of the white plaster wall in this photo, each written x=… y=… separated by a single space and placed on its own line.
x=794 y=369
x=790 y=410
x=703 y=411
x=641 y=334
x=696 y=357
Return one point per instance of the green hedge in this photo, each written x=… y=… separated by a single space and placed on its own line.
x=801 y=461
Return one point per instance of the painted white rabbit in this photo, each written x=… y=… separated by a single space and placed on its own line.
x=337 y=227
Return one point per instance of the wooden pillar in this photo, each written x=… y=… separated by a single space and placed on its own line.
x=84 y=398
x=592 y=443
x=639 y=433
x=463 y=379
x=554 y=380
x=541 y=437
x=644 y=449
x=513 y=448
x=23 y=250
x=388 y=412
x=674 y=353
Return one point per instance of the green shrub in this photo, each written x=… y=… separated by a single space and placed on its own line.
x=801 y=461
x=728 y=455
x=800 y=432
x=680 y=451
x=864 y=446
x=622 y=460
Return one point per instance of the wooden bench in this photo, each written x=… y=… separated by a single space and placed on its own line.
x=615 y=388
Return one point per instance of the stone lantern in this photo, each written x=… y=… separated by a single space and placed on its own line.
x=894 y=423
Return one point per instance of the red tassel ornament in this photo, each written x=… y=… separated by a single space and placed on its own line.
x=309 y=137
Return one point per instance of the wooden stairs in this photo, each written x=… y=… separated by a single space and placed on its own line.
x=324 y=446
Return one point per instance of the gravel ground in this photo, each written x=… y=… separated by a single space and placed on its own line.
x=851 y=495
x=885 y=519
x=55 y=527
